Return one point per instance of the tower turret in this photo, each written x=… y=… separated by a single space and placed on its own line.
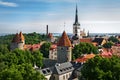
x=64 y=49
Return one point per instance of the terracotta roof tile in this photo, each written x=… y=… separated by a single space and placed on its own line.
x=87 y=40
x=64 y=40
x=84 y=58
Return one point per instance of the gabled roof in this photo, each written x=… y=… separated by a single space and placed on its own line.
x=45 y=71
x=63 y=68
x=64 y=40
x=98 y=40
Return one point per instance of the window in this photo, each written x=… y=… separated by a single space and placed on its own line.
x=55 y=53
x=63 y=77
x=66 y=76
x=61 y=48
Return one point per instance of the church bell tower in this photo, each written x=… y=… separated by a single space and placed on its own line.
x=76 y=25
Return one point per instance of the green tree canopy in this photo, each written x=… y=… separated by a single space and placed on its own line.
x=100 y=68
x=83 y=48
x=18 y=64
x=45 y=49
x=108 y=45
x=113 y=39
x=24 y=71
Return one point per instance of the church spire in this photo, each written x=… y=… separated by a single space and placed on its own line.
x=76 y=15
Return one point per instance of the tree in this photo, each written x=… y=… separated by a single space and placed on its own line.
x=38 y=58
x=83 y=48
x=108 y=45
x=99 y=68
x=24 y=71
x=113 y=39
x=45 y=49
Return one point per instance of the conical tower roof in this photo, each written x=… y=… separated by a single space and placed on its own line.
x=16 y=38
x=64 y=40
x=50 y=35
x=21 y=36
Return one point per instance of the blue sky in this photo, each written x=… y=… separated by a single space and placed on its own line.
x=98 y=16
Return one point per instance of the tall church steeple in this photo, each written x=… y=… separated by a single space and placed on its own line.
x=76 y=25
x=76 y=16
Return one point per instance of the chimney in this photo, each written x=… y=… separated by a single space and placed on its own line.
x=47 y=30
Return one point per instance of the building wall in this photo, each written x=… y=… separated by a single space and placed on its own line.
x=63 y=54
x=53 y=54
x=103 y=42
x=48 y=77
x=65 y=76
x=17 y=45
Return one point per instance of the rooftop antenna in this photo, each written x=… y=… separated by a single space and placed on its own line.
x=64 y=26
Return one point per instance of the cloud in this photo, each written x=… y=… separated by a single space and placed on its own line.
x=10 y=4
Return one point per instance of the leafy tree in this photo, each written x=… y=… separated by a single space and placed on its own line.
x=83 y=48
x=38 y=57
x=20 y=72
x=108 y=45
x=45 y=49
x=100 y=68
x=113 y=39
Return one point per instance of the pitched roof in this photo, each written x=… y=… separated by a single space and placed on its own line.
x=64 y=40
x=63 y=68
x=87 y=40
x=98 y=40
x=53 y=46
x=84 y=58
x=45 y=71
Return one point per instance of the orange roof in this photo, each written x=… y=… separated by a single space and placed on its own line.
x=84 y=58
x=64 y=40
x=53 y=46
x=50 y=35
x=88 y=40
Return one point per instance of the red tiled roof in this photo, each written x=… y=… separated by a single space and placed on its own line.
x=88 y=40
x=64 y=40
x=53 y=46
x=33 y=47
x=84 y=58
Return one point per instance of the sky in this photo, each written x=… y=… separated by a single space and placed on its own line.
x=95 y=16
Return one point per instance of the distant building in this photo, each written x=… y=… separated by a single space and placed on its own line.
x=18 y=42
x=51 y=38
